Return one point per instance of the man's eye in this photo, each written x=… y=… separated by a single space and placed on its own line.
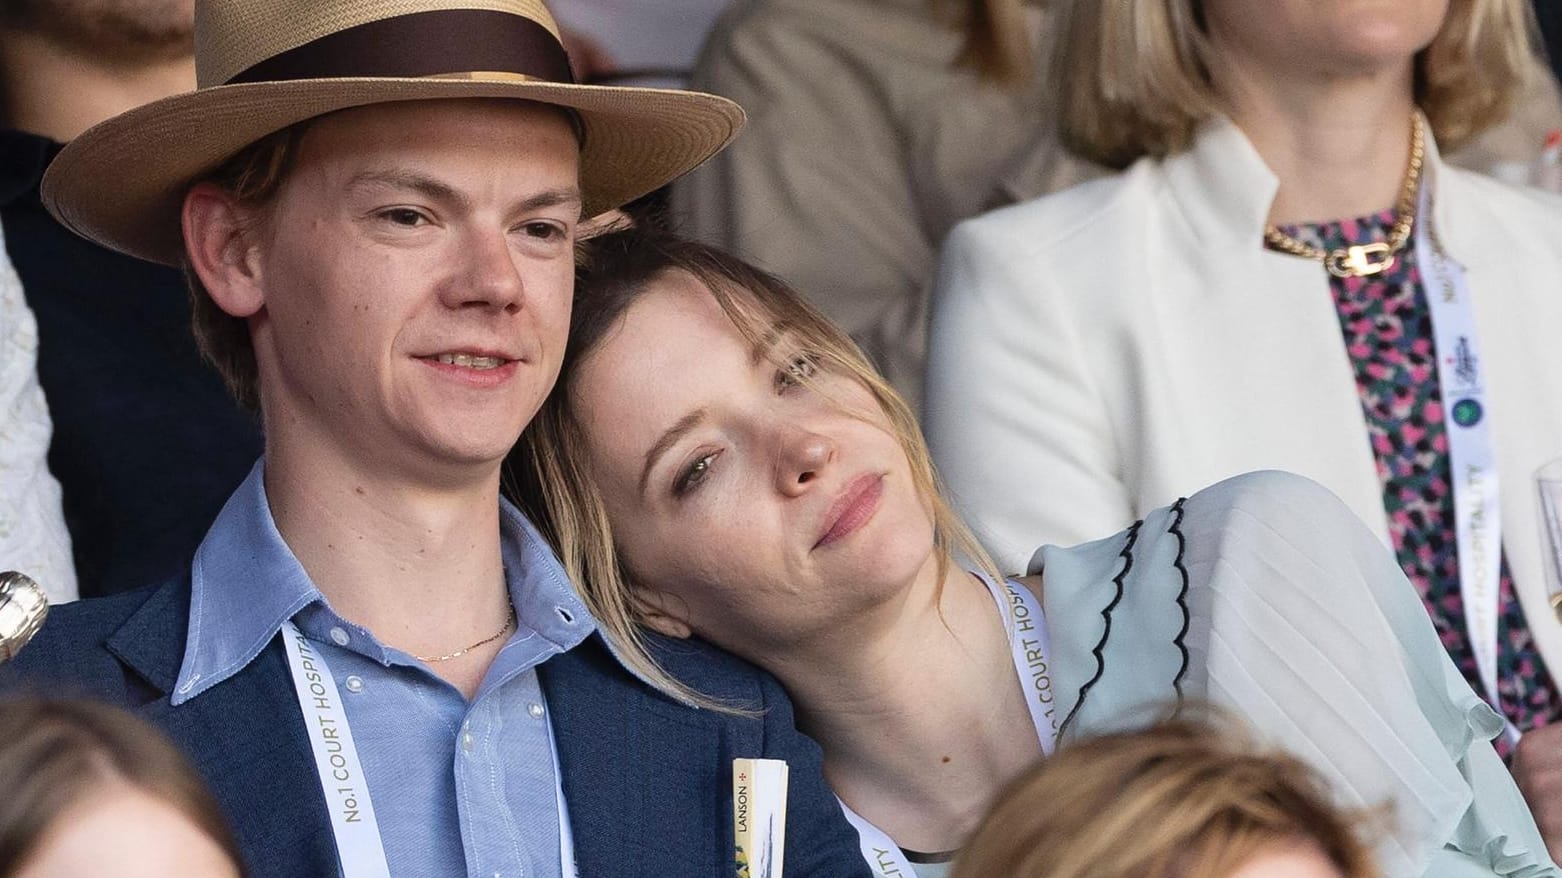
x=544 y=231
x=404 y=216
x=797 y=370
x=693 y=475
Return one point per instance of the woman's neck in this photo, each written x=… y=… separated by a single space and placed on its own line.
x=1339 y=146
x=920 y=715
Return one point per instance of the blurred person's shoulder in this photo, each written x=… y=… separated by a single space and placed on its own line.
x=1482 y=217
x=871 y=34
x=1062 y=220
x=1517 y=202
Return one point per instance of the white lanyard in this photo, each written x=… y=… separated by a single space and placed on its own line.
x=884 y=856
x=1472 y=459
x=358 y=844
x=1029 y=645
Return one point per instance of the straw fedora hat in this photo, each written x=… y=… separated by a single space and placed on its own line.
x=262 y=65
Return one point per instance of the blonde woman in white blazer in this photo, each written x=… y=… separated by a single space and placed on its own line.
x=1100 y=352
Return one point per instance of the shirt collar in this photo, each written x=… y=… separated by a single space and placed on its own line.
x=1223 y=187
x=246 y=582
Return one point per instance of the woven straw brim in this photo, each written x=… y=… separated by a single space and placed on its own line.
x=122 y=183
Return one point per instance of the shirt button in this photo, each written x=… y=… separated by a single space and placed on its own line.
x=466 y=737
x=355 y=683
x=535 y=710
x=339 y=636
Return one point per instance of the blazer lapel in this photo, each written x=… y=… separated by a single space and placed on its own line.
x=151 y=641
x=245 y=736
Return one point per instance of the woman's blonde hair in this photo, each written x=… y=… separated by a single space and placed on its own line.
x=548 y=474
x=1186 y=798
x=1133 y=75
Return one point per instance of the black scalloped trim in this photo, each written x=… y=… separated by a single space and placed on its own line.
x=1127 y=554
x=1182 y=596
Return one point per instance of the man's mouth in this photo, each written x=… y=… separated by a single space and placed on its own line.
x=471 y=361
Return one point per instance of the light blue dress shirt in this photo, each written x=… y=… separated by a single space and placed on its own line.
x=458 y=787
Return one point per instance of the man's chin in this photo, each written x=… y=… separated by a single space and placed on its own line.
x=469 y=451
x=454 y=468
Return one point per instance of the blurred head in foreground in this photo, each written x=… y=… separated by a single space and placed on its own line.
x=1186 y=798
x=91 y=790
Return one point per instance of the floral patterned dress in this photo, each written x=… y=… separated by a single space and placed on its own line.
x=1387 y=327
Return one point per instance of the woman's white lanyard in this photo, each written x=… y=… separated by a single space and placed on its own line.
x=1472 y=460
x=1028 y=642
x=358 y=844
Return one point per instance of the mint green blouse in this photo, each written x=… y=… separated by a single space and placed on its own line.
x=1265 y=596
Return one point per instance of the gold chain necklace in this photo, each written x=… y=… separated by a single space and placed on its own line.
x=509 y=620
x=1362 y=260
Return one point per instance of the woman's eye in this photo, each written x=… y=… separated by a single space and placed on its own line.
x=693 y=474
x=797 y=370
x=404 y=216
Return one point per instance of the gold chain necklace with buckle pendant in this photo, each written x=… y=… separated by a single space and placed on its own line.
x=1365 y=260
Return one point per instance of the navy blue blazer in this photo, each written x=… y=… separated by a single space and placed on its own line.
x=647 y=780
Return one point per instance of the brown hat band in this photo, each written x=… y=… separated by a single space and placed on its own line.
x=423 y=44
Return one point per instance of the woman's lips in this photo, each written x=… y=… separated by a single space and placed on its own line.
x=852 y=509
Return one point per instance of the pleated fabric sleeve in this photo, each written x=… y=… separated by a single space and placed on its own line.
x=1265 y=596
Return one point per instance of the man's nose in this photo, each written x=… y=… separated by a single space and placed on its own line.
x=804 y=456
x=490 y=277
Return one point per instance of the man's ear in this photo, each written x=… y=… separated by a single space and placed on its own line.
x=663 y=613
x=219 y=238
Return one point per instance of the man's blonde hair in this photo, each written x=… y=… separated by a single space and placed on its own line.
x=1132 y=75
x=549 y=475
x=1185 y=798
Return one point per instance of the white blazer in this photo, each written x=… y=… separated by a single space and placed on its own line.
x=1100 y=352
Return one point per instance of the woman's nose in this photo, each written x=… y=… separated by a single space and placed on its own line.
x=804 y=457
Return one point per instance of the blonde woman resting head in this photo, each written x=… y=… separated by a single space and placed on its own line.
x=1190 y=797
x=718 y=461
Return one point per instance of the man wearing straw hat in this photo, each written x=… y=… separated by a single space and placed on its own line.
x=377 y=664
